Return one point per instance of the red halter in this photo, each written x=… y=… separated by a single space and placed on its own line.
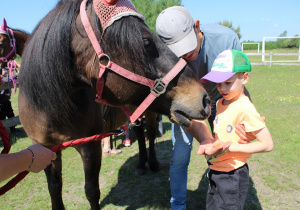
x=154 y=92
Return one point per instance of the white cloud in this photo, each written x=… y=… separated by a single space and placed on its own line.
x=276 y=25
x=266 y=19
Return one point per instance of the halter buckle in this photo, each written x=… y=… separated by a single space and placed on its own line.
x=104 y=57
x=122 y=132
x=158 y=83
x=136 y=123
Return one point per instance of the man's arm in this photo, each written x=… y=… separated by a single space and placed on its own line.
x=201 y=133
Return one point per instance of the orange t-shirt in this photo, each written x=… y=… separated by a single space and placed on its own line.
x=243 y=112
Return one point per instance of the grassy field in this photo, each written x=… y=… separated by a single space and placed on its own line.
x=274 y=176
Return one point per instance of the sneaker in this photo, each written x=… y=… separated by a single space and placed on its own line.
x=127 y=142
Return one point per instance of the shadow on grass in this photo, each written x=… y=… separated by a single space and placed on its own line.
x=15 y=136
x=152 y=191
x=197 y=198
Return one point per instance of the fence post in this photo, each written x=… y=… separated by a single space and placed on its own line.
x=271 y=55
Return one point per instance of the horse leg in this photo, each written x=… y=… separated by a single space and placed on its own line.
x=91 y=158
x=143 y=157
x=152 y=128
x=54 y=179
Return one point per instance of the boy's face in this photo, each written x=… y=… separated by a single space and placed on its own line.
x=233 y=88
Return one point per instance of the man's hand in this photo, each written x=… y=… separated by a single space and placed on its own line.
x=213 y=148
x=245 y=137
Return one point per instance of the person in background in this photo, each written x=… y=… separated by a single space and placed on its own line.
x=107 y=149
x=130 y=134
x=199 y=46
x=6 y=109
x=229 y=173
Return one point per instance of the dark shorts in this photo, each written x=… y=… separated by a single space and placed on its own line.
x=227 y=190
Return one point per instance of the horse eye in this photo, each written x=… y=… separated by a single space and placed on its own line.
x=147 y=42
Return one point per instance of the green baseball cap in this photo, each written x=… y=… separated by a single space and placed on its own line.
x=226 y=65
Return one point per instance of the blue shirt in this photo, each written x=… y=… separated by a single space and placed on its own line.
x=217 y=38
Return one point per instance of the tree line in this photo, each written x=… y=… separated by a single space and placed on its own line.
x=151 y=9
x=276 y=44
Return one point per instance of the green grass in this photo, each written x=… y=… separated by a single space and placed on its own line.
x=274 y=176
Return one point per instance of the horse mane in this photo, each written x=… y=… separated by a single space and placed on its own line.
x=47 y=63
x=126 y=37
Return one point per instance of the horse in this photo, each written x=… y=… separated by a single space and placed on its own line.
x=61 y=73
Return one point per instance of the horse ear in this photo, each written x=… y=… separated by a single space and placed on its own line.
x=110 y=2
x=4 y=25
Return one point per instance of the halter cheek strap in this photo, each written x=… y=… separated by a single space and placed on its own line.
x=157 y=87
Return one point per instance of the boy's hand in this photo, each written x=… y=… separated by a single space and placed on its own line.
x=215 y=148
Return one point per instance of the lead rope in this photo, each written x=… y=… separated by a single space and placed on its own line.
x=12 y=67
x=5 y=139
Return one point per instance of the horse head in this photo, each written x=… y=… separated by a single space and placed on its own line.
x=12 y=42
x=140 y=51
x=61 y=56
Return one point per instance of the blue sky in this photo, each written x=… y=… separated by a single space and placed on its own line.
x=256 y=18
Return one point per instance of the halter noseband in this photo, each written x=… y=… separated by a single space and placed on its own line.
x=154 y=85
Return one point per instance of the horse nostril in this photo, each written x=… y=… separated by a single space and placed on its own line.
x=206 y=101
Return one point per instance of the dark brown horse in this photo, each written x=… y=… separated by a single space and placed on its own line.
x=58 y=85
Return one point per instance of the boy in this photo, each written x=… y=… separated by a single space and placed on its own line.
x=199 y=46
x=229 y=173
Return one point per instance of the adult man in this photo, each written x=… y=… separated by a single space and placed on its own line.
x=176 y=28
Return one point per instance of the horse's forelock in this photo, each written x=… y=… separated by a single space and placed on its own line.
x=123 y=39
